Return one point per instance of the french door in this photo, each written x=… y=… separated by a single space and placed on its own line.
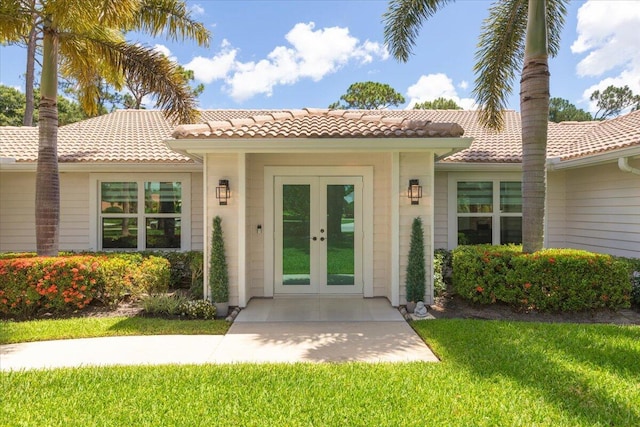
x=318 y=235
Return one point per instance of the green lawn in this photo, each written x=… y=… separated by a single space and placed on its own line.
x=492 y=374
x=39 y=330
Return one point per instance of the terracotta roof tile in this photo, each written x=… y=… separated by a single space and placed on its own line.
x=137 y=135
x=321 y=123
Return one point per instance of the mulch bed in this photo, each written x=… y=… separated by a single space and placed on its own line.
x=452 y=306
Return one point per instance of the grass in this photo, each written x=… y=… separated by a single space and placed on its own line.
x=492 y=374
x=86 y=327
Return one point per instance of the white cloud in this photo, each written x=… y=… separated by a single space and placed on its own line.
x=218 y=67
x=464 y=85
x=311 y=54
x=165 y=51
x=196 y=9
x=608 y=34
x=433 y=86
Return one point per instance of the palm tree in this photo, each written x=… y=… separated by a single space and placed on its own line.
x=516 y=33
x=86 y=37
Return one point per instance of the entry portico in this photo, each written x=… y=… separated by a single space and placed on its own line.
x=318 y=200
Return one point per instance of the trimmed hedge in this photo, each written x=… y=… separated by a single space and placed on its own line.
x=552 y=280
x=37 y=285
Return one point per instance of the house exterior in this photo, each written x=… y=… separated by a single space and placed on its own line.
x=318 y=202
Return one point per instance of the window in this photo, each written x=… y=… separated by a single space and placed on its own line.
x=486 y=212
x=141 y=214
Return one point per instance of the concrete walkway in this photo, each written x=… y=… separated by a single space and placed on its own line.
x=267 y=331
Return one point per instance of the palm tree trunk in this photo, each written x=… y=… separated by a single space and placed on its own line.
x=534 y=108
x=47 y=178
x=30 y=76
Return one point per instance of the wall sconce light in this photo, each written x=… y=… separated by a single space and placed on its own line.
x=222 y=191
x=415 y=191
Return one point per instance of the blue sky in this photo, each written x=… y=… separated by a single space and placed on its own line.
x=305 y=53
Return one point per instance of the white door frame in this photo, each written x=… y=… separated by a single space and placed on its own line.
x=366 y=172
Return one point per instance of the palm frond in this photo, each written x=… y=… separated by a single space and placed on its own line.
x=118 y=58
x=498 y=59
x=15 y=21
x=402 y=22
x=173 y=18
x=556 y=14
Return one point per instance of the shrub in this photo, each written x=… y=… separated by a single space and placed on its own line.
x=633 y=268
x=479 y=271
x=163 y=305
x=553 y=280
x=198 y=309
x=196 y=265
x=153 y=275
x=442 y=270
x=116 y=279
x=32 y=286
x=218 y=274
x=416 y=275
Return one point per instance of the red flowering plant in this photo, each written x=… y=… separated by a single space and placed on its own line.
x=31 y=286
x=556 y=280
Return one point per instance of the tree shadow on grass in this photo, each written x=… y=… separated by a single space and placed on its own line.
x=587 y=371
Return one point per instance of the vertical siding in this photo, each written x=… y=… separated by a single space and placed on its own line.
x=17 y=211
x=556 y=225
x=255 y=210
x=225 y=167
x=74 y=211
x=603 y=210
x=441 y=217
x=420 y=166
x=197 y=224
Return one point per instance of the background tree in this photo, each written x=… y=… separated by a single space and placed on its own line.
x=613 y=100
x=516 y=34
x=437 y=104
x=85 y=37
x=12 y=108
x=561 y=110
x=12 y=103
x=368 y=96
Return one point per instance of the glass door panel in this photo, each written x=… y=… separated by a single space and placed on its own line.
x=340 y=235
x=318 y=235
x=296 y=232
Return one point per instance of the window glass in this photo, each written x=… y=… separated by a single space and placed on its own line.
x=510 y=197
x=119 y=233
x=510 y=230
x=163 y=233
x=475 y=197
x=474 y=230
x=162 y=197
x=119 y=197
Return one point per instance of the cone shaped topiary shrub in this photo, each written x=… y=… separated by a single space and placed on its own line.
x=218 y=274
x=416 y=275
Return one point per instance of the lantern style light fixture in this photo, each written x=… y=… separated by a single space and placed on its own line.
x=222 y=191
x=415 y=191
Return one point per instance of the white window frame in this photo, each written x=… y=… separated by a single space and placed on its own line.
x=452 y=208
x=95 y=180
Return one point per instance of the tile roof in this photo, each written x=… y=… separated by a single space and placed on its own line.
x=319 y=123
x=138 y=135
